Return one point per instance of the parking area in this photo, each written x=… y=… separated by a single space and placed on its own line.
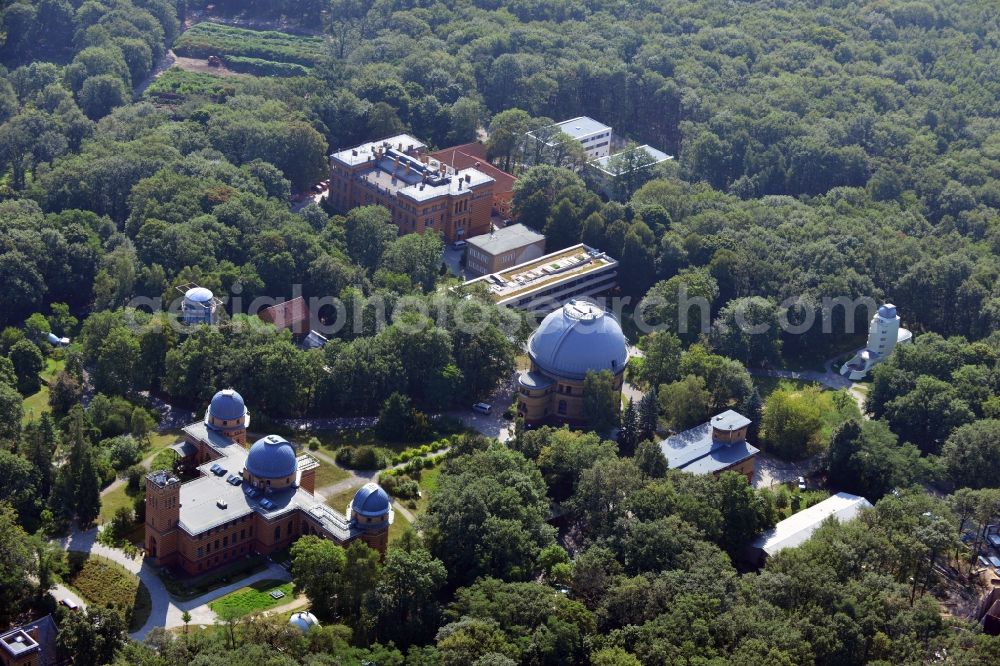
x=453 y=260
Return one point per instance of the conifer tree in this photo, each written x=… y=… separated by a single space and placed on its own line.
x=649 y=415
x=628 y=435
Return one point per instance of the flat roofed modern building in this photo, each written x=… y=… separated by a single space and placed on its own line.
x=502 y=248
x=246 y=501
x=578 y=338
x=420 y=192
x=796 y=529
x=594 y=136
x=544 y=284
x=714 y=447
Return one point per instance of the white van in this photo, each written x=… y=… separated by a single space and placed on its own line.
x=483 y=407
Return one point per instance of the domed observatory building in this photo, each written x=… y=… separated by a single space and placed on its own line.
x=271 y=464
x=227 y=414
x=236 y=502
x=371 y=511
x=884 y=333
x=303 y=621
x=578 y=338
x=199 y=306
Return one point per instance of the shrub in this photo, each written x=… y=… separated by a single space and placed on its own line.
x=360 y=457
x=260 y=67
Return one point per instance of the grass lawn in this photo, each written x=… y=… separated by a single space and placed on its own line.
x=428 y=484
x=399 y=526
x=340 y=500
x=768 y=385
x=252 y=599
x=52 y=368
x=327 y=475
x=35 y=405
x=102 y=582
x=114 y=500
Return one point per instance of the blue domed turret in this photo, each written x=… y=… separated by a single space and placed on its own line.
x=227 y=405
x=887 y=311
x=272 y=457
x=370 y=501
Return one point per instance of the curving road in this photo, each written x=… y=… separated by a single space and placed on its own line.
x=166 y=611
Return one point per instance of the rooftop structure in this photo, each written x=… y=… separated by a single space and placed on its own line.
x=797 y=529
x=713 y=447
x=657 y=156
x=543 y=284
x=245 y=501
x=473 y=156
x=420 y=192
x=31 y=644
x=594 y=136
x=502 y=248
x=884 y=333
x=291 y=314
x=199 y=305
x=576 y=339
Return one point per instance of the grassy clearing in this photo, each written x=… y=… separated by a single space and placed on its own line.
x=339 y=501
x=53 y=366
x=102 y=582
x=208 y=39
x=252 y=599
x=114 y=500
x=177 y=83
x=327 y=475
x=399 y=526
x=768 y=385
x=36 y=404
x=428 y=484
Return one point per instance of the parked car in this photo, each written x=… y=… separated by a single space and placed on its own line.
x=69 y=603
x=459 y=244
x=802 y=483
x=483 y=407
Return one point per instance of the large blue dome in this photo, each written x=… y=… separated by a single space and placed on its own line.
x=577 y=338
x=272 y=457
x=371 y=501
x=227 y=405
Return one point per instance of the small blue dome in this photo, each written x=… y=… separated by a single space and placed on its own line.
x=272 y=457
x=577 y=338
x=227 y=405
x=887 y=311
x=198 y=295
x=371 y=501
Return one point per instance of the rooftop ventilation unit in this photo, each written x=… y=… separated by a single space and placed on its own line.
x=221 y=503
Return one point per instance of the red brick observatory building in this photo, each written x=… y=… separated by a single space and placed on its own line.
x=247 y=501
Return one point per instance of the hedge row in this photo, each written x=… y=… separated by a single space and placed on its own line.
x=260 y=67
x=208 y=39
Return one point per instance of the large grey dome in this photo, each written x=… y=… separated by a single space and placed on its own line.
x=577 y=338
x=272 y=457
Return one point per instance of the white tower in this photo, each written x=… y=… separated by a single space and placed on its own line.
x=884 y=333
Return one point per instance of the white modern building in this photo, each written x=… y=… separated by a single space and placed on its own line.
x=604 y=171
x=796 y=530
x=884 y=333
x=594 y=136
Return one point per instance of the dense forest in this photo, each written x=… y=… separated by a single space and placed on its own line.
x=823 y=149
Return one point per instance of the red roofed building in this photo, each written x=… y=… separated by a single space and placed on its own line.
x=473 y=156
x=293 y=315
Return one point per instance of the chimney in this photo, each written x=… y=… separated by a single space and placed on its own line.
x=354 y=153
x=468 y=178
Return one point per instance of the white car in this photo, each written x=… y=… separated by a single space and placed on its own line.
x=802 y=483
x=483 y=407
x=458 y=245
x=69 y=603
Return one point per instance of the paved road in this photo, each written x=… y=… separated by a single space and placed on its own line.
x=166 y=612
